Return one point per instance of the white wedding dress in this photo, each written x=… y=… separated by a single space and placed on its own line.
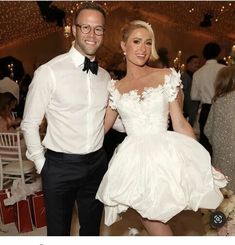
x=157 y=172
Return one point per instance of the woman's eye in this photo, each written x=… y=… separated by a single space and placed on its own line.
x=149 y=43
x=136 y=41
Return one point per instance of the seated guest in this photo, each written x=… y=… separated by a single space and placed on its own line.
x=8 y=122
x=8 y=85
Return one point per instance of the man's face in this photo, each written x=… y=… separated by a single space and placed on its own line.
x=193 y=65
x=88 y=32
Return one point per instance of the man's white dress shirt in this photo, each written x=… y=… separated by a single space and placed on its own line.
x=203 y=82
x=74 y=104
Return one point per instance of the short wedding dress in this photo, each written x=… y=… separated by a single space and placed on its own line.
x=157 y=172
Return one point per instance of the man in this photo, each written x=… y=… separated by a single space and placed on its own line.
x=190 y=107
x=74 y=100
x=203 y=87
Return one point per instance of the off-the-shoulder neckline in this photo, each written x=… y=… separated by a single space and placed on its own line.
x=145 y=89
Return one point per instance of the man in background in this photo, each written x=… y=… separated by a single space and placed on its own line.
x=203 y=87
x=190 y=107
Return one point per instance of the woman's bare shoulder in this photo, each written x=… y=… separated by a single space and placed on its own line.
x=121 y=83
x=158 y=74
x=162 y=71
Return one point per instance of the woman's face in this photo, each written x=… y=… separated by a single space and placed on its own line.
x=138 y=47
x=12 y=105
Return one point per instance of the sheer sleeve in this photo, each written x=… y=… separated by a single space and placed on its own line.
x=111 y=89
x=173 y=84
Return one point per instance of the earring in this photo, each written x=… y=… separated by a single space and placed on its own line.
x=124 y=57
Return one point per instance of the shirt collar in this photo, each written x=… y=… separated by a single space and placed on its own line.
x=77 y=57
x=212 y=61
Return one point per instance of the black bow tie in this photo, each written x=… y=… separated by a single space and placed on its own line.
x=90 y=65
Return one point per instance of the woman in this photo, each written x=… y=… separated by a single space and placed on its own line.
x=8 y=123
x=157 y=172
x=221 y=123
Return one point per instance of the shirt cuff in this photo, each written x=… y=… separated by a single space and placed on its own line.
x=118 y=125
x=39 y=164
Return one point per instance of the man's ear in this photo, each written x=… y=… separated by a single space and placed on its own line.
x=74 y=30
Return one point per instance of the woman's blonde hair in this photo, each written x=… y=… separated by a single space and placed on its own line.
x=225 y=82
x=133 y=25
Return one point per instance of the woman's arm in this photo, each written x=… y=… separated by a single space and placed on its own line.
x=179 y=123
x=14 y=122
x=110 y=117
x=180 y=98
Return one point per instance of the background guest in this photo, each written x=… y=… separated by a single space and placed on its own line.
x=203 y=87
x=8 y=122
x=24 y=86
x=190 y=107
x=8 y=85
x=163 y=59
x=220 y=125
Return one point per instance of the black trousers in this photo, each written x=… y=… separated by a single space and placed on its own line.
x=70 y=178
x=202 y=122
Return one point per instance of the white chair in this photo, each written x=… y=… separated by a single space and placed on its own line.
x=12 y=166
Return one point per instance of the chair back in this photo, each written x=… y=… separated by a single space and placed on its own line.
x=10 y=152
x=10 y=147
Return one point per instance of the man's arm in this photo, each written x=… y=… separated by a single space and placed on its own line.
x=38 y=98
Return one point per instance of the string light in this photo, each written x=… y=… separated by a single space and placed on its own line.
x=232 y=56
x=178 y=63
x=21 y=20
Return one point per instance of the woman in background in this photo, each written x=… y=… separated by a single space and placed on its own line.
x=8 y=122
x=220 y=125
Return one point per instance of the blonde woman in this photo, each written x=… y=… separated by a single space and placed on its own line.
x=157 y=172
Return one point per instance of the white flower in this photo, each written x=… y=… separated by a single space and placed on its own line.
x=133 y=231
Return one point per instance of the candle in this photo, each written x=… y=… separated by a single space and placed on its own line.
x=179 y=53
x=233 y=48
x=67 y=30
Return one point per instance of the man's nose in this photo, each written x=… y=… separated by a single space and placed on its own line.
x=92 y=32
